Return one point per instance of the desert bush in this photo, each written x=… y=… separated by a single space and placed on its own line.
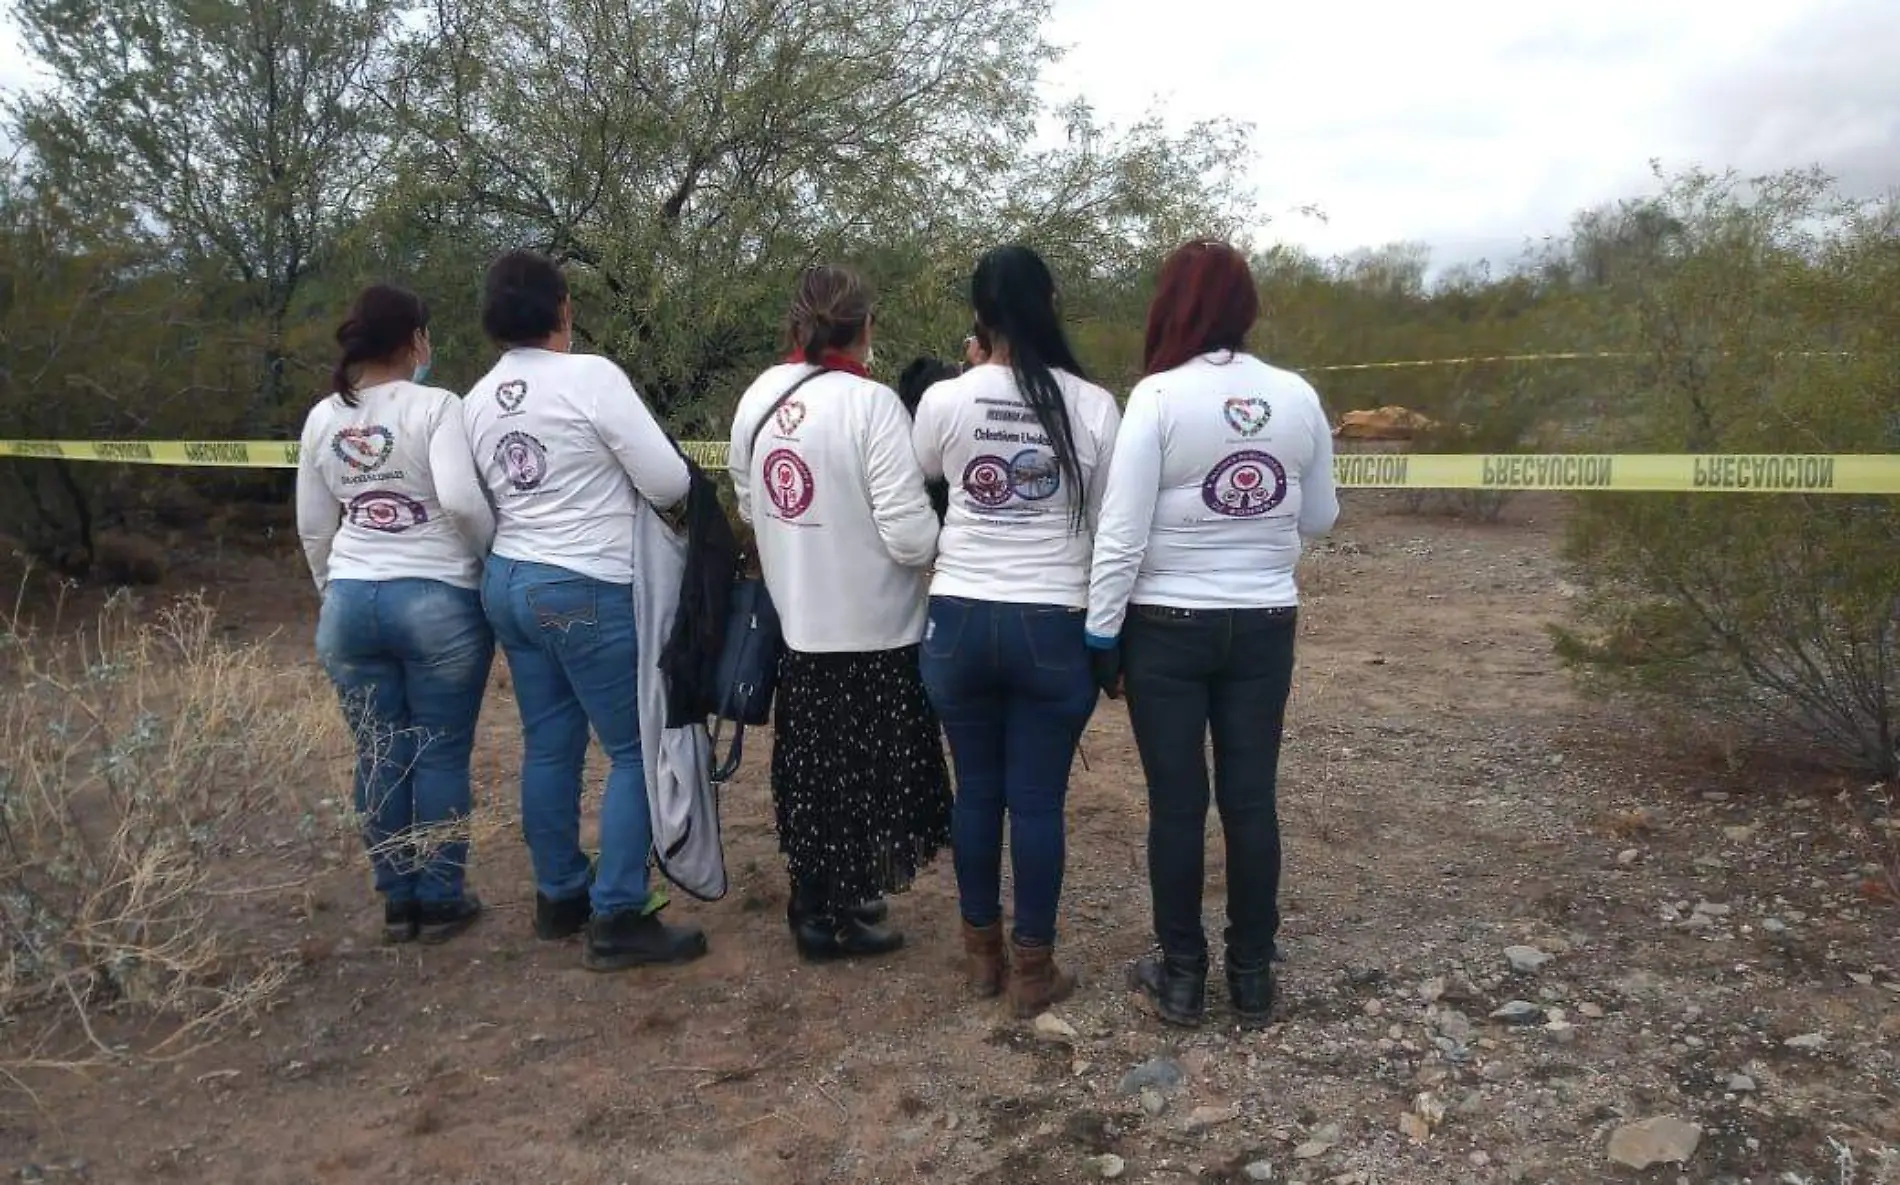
x=151 y=775
x=1765 y=316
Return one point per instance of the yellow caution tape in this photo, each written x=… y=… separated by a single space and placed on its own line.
x=1767 y=473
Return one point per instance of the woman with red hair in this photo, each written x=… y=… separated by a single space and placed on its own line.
x=1222 y=464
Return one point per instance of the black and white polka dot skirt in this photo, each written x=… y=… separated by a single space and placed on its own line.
x=859 y=779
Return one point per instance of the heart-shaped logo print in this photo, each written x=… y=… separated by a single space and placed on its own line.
x=790 y=417
x=1248 y=416
x=511 y=395
x=364 y=449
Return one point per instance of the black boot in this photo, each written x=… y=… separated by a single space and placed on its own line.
x=562 y=918
x=822 y=937
x=1176 y=987
x=439 y=921
x=1250 y=986
x=872 y=912
x=399 y=921
x=636 y=938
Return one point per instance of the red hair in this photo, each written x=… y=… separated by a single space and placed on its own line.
x=1204 y=301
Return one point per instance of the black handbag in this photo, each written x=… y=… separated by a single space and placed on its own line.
x=748 y=660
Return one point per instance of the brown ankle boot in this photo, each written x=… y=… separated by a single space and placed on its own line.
x=983 y=961
x=1035 y=982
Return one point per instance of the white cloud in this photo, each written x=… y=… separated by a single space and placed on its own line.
x=1477 y=124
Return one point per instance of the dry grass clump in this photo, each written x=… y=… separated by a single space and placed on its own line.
x=153 y=779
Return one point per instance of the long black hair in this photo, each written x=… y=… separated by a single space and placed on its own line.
x=1014 y=296
x=382 y=323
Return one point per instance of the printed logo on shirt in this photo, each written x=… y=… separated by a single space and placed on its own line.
x=790 y=416
x=1034 y=475
x=364 y=449
x=511 y=395
x=788 y=483
x=1245 y=485
x=523 y=460
x=386 y=511
x=1248 y=416
x=986 y=479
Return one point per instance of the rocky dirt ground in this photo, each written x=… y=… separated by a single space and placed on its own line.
x=1530 y=938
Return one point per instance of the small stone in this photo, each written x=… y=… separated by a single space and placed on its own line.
x=1415 y=1128
x=1259 y=1170
x=1714 y=796
x=1312 y=1150
x=1526 y=960
x=1713 y=909
x=1698 y=921
x=1519 y=1012
x=1591 y=1011
x=1480 y=1158
x=1810 y=1041
x=1861 y=978
x=1664 y=1140
x=1453 y=1024
x=1739 y=834
x=1153 y=1102
x=1051 y=1027
x=1430 y=1108
x=1377 y=1007
x=1079 y=1067
x=1109 y=1166
x=1628 y=856
x=1202 y=1118
x=1741 y=1084
x=1561 y=1032
x=1162 y=1073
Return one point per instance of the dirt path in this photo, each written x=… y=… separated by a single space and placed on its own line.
x=1445 y=796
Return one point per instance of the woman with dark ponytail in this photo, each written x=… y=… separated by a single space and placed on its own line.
x=395 y=525
x=822 y=465
x=1024 y=440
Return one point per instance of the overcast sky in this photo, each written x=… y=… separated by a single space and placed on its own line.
x=1474 y=125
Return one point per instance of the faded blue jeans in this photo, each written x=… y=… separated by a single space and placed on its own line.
x=1013 y=688
x=410 y=661
x=573 y=659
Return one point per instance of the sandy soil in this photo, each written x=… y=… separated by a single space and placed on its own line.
x=1446 y=795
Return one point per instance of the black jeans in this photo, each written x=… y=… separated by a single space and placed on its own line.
x=1229 y=670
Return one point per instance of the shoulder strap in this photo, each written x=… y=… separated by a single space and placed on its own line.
x=758 y=429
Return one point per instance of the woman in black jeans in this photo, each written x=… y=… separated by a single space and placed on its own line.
x=1222 y=463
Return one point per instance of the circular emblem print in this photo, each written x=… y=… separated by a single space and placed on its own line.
x=1034 y=475
x=1245 y=485
x=522 y=460
x=788 y=482
x=381 y=510
x=986 y=480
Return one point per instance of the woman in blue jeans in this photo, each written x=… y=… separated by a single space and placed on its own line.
x=1023 y=440
x=394 y=524
x=565 y=445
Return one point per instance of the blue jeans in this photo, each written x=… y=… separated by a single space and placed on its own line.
x=574 y=660
x=1011 y=684
x=410 y=662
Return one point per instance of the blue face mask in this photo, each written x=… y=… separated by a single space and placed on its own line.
x=421 y=373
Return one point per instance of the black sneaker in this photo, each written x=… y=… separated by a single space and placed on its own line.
x=638 y=938
x=399 y=921
x=439 y=921
x=555 y=920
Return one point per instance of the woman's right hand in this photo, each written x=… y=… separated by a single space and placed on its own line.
x=1106 y=666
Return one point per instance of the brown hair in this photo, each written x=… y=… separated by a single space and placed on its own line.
x=381 y=325
x=1204 y=301
x=830 y=309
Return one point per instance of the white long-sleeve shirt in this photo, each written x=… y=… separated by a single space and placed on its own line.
x=836 y=501
x=1009 y=534
x=1221 y=465
x=564 y=445
x=387 y=490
